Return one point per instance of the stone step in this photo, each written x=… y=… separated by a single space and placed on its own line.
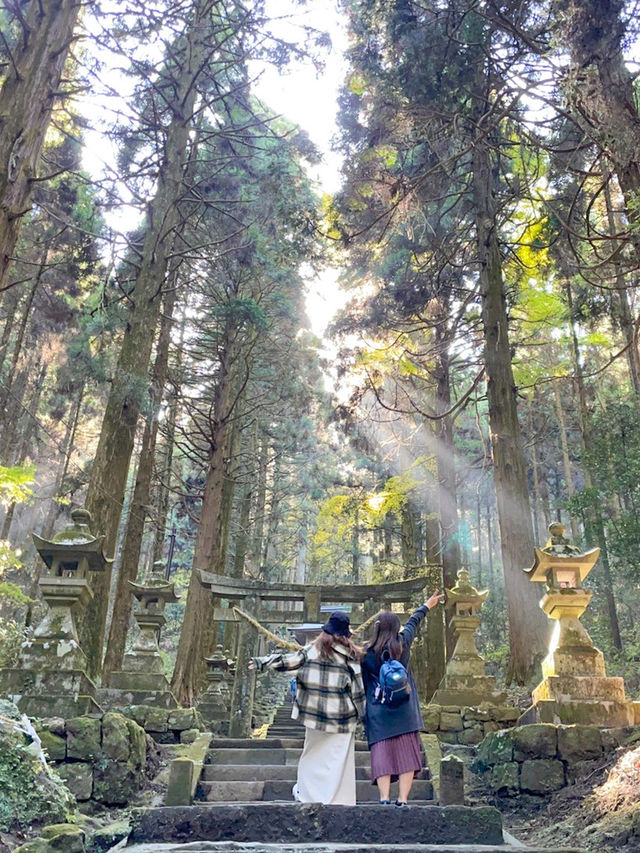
x=226 y=791
x=268 y=743
x=291 y=823
x=321 y=847
x=261 y=772
x=259 y=755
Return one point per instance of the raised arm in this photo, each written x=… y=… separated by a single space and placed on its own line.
x=413 y=623
x=279 y=661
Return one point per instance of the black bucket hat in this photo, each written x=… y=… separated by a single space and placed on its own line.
x=338 y=624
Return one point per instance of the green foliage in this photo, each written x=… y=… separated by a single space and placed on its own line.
x=15 y=484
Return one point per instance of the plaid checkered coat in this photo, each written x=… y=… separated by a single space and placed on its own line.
x=330 y=692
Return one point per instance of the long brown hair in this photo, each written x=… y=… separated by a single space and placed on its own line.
x=325 y=642
x=386 y=636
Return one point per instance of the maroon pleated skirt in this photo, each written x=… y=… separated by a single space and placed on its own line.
x=396 y=755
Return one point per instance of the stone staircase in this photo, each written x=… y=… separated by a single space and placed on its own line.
x=243 y=804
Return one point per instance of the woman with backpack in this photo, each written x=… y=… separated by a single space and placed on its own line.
x=393 y=720
x=329 y=701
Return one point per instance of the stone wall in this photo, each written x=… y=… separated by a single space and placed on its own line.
x=468 y=726
x=101 y=759
x=542 y=758
x=177 y=725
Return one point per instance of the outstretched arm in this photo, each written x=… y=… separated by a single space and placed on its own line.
x=279 y=662
x=413 y=623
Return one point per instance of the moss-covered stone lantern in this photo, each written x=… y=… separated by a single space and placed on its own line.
x=575 y=687
x=51 y=678
x=142 y=677
x=215 y=703
x=465 y=682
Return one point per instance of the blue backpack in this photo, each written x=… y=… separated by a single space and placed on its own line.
x=393 y=686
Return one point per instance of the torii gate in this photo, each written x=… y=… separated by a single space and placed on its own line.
x=290 y=604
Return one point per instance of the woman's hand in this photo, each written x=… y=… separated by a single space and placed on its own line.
x=252 y=665
x=434 y=599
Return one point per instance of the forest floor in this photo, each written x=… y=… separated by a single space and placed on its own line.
x=601 y=812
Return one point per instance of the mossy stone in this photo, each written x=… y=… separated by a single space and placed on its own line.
x=115 y=736
x=579 y=743
x=181 y=719
x=189 y=735
x=115 y=783
x=539 y=740
x=64 y=837
x=450 y=722
x=542 y=776
x=106 y=837
x=431 y=718
x=496 y=748
x=83 y=738
x=54 y=745
x=504 y=779
x=156 y=720
x=78 y=777
x=31 y=793
x=38 y=845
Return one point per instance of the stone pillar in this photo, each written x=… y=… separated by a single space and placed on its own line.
x=245 y=681
x=451 y=781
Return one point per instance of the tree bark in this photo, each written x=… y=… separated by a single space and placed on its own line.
x=34 y=74
x=130 y=383
x=566 y=459
x=196 y=635
x=528 y=627
x=139 y=509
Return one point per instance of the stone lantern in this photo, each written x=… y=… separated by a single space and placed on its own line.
x=215 y=703
x=575 y=687
x=51 y=677
x=142 y=677
x=465 y=682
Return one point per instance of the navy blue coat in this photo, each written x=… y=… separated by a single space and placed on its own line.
x=383 y=721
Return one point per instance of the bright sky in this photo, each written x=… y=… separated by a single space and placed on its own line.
x=308 y=97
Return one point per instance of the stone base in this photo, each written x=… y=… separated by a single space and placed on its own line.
x=604 y=714
x=567 y=688
x=215 y=717
x=468 y=690
x=50 y=694
x=115 y=697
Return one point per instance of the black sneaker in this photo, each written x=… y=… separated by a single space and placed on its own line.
x=400 y=804
x=385 y=802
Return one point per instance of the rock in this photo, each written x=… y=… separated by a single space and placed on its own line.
x=471 y=736
x=64 y=837
x=83 y=738
x=115 y=736
x=506 y=714
x=31 y=793
x=477 y=714
x=431 y=718
x=181 y=719
x=54 y=745
x=504 y=779
x=447 y=737
x=138 y=713
x=542 y=776
x=106 y=837
x=38 y=845
x=538 y=740
x=490 y=726
x=189 y=735
x=450 y=722
x=579 y=743
x=55 y=725
x=115 y=783
x=496 y=748
x=156 y=720
x=78 y=777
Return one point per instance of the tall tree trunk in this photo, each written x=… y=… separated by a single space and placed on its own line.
x=34 y=74
x=139 y=509
x=528 y=627
x=196 y=635
x=129 y=386
x=594 y=514
x=435 y=630
x=598 y=86
x=255 y=548
x=566 y=459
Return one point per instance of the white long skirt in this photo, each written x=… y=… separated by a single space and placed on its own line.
x=327 y=769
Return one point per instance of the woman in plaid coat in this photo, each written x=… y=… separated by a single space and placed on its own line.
x=330 y=699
